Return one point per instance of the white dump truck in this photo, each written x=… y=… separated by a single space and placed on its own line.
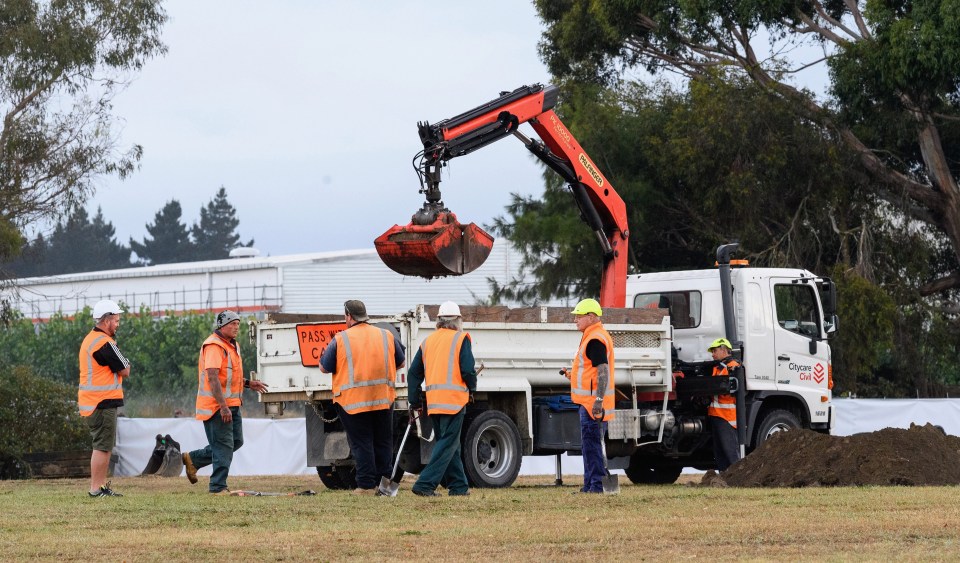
x=778 y=320
x=662 y=374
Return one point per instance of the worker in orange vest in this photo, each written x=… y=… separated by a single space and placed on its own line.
x=364 y=360
x=444 y=364
x=220 y=388
x=102 y=371
x=722 y=412
x=592 y=387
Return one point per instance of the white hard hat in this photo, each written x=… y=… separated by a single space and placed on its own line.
x=105 y=307
x=448 y=309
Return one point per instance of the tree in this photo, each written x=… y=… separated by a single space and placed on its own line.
x=170 y=240
x=61 y=64
x=215 y=235
x=894 y=67
x=81 y=245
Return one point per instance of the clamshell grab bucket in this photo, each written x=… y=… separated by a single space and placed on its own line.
x=443 y=248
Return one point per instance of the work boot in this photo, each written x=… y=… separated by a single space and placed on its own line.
x=459 y=493
x=365 y=492
x=223 y=493
x=105 y=491
x=426 y=493
x=191 y=470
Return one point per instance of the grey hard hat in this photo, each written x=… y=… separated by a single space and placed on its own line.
x=226 y=317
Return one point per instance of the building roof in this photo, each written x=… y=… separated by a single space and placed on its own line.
x=204 y=266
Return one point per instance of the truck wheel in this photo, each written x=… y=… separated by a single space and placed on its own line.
x=643 y=472
x=777 y=420
x=338 y=477
x=491 y=450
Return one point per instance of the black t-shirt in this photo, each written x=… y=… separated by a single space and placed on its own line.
x=597 y=352
x=109 y=355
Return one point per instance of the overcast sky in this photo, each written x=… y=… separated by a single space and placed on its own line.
x=306 y=112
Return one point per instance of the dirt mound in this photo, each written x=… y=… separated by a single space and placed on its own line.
x=920 y=455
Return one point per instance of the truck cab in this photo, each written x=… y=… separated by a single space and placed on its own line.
x=784 y=317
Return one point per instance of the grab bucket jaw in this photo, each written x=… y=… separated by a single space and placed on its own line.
x=443 y=248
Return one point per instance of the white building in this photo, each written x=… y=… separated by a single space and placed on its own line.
x=301 y=283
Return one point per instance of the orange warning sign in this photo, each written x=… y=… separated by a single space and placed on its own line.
x=313 y=340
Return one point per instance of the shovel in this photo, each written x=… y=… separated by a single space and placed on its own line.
x=389 y=487
x=610 y=482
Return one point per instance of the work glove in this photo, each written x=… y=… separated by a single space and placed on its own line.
x=471 y=399
x=415 y=413
x=597 y=408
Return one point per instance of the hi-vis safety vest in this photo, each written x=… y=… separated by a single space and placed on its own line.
x=583 y=378
x=97 y=383
x=447 y=393
x=231 y=378
x=724 y=406
x=366 y=369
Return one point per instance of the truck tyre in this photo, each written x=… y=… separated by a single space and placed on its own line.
x=338 y=477
x=642 y=472
x=491 y=450
x=777 y=420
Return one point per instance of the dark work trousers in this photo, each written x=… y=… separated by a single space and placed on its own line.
x=726 y=448
x=371 y=443
x=446 y=463
x=223 y=439
x=593 y=470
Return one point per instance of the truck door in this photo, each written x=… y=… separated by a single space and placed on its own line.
x=801 y=355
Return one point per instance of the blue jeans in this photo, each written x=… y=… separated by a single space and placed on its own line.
x=370 y=435
x=223 y=439
x=446 y=465
x=590 y=435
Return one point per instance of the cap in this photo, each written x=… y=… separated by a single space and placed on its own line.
x=356 y=309
x=448 y=309
x=226 y=317
x=588 y=306
x=718 y=343
x=105 y=307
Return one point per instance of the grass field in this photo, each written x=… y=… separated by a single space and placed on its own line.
x=168 y=519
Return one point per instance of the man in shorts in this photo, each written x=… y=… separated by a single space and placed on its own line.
x=102 y=371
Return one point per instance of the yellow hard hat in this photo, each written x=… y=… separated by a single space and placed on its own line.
x=587 y=306
x=718 y=343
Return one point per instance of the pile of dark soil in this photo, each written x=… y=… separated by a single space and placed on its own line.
x=920 y=455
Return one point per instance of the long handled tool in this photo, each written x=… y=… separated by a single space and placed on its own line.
x=389 y=487
x=610 y=482
x=307 y=493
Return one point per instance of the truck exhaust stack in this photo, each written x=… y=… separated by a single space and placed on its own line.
x=442 y=248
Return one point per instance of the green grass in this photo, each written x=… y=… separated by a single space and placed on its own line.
x=170 y=520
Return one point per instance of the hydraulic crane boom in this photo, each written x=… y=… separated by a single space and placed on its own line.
x=435 y=244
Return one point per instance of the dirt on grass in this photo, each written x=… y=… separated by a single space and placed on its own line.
x=918 y=456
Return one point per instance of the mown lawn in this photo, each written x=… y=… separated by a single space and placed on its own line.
x=170 y=520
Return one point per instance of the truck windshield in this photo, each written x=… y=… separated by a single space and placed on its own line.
x=797 y=309
x=684 y=306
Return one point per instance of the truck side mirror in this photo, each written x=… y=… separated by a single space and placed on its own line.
x=828 y=290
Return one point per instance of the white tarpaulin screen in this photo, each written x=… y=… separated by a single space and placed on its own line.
x=270 y=447
x=278 y=447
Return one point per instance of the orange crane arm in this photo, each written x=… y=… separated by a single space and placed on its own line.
x=600 y=206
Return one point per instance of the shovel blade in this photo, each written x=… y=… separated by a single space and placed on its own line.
x=611 y=484
x=387 y=488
